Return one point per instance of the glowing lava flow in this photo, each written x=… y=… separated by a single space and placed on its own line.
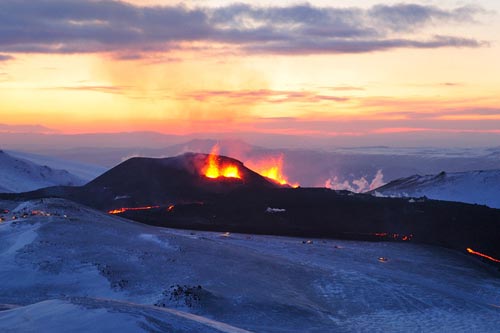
x=215 y=170
x=123 y=210
x=272 y=169
x=275 y=174
x=471 y=251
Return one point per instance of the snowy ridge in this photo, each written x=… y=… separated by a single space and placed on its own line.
x=475 y=187
x=18 y=175
x=71 y=268
x=85 y=171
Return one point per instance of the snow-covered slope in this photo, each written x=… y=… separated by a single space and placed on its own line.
x=476 y=187
x=79 y=314
x=18 y=175
x=85 y=171
x=65 y=267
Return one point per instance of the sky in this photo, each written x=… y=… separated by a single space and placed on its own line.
x=347 y=70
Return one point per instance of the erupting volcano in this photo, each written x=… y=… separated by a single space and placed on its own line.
x=215 y=168
x=141 y=184
x=219 y=193
x=271 y=168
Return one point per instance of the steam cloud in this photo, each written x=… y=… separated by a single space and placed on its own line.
x=358 y=185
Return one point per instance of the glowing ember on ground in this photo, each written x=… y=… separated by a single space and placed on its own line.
x=272 y=169
x=471 y=251
x=214 y=169
x=125 y=209
x=393 y=236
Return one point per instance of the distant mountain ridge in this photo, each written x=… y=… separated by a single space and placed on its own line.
x=307 y=166
x=475 y=187
x=19 y=175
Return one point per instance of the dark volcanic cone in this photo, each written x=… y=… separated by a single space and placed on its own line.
x=151 y=181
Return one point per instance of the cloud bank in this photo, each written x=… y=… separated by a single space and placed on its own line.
x=5 y=57
x=87 y=26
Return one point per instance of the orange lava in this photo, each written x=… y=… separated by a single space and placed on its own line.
x=471 y=251
x=123 y=210
x=273 y=169
x=214 y=169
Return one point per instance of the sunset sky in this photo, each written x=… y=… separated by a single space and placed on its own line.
x=317 y=68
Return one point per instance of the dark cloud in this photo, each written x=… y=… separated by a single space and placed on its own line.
x=5 y=57
x=337 y=45
x=407 y=17
x=66 y=26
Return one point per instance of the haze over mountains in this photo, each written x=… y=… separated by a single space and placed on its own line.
x=356 y=169
x=307 y=164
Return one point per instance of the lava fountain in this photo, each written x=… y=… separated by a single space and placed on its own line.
x=215 y=169
x=272 y=168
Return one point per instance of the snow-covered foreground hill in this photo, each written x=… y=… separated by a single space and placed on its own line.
x=19 y=175
x=64 y=267
x=475 y=187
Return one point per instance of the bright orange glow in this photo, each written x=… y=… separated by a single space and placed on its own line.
x=213 y=165
x=274 y=173
x=215 y=170
x=273 y=169
x=124 y=209
x=471 y=251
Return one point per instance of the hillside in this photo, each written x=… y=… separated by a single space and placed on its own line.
x=85 y=171
x=475 y=187
x=63 y=265
x=19 y=175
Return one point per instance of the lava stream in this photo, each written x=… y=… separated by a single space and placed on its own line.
x=471 y=251
x=124 y=209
